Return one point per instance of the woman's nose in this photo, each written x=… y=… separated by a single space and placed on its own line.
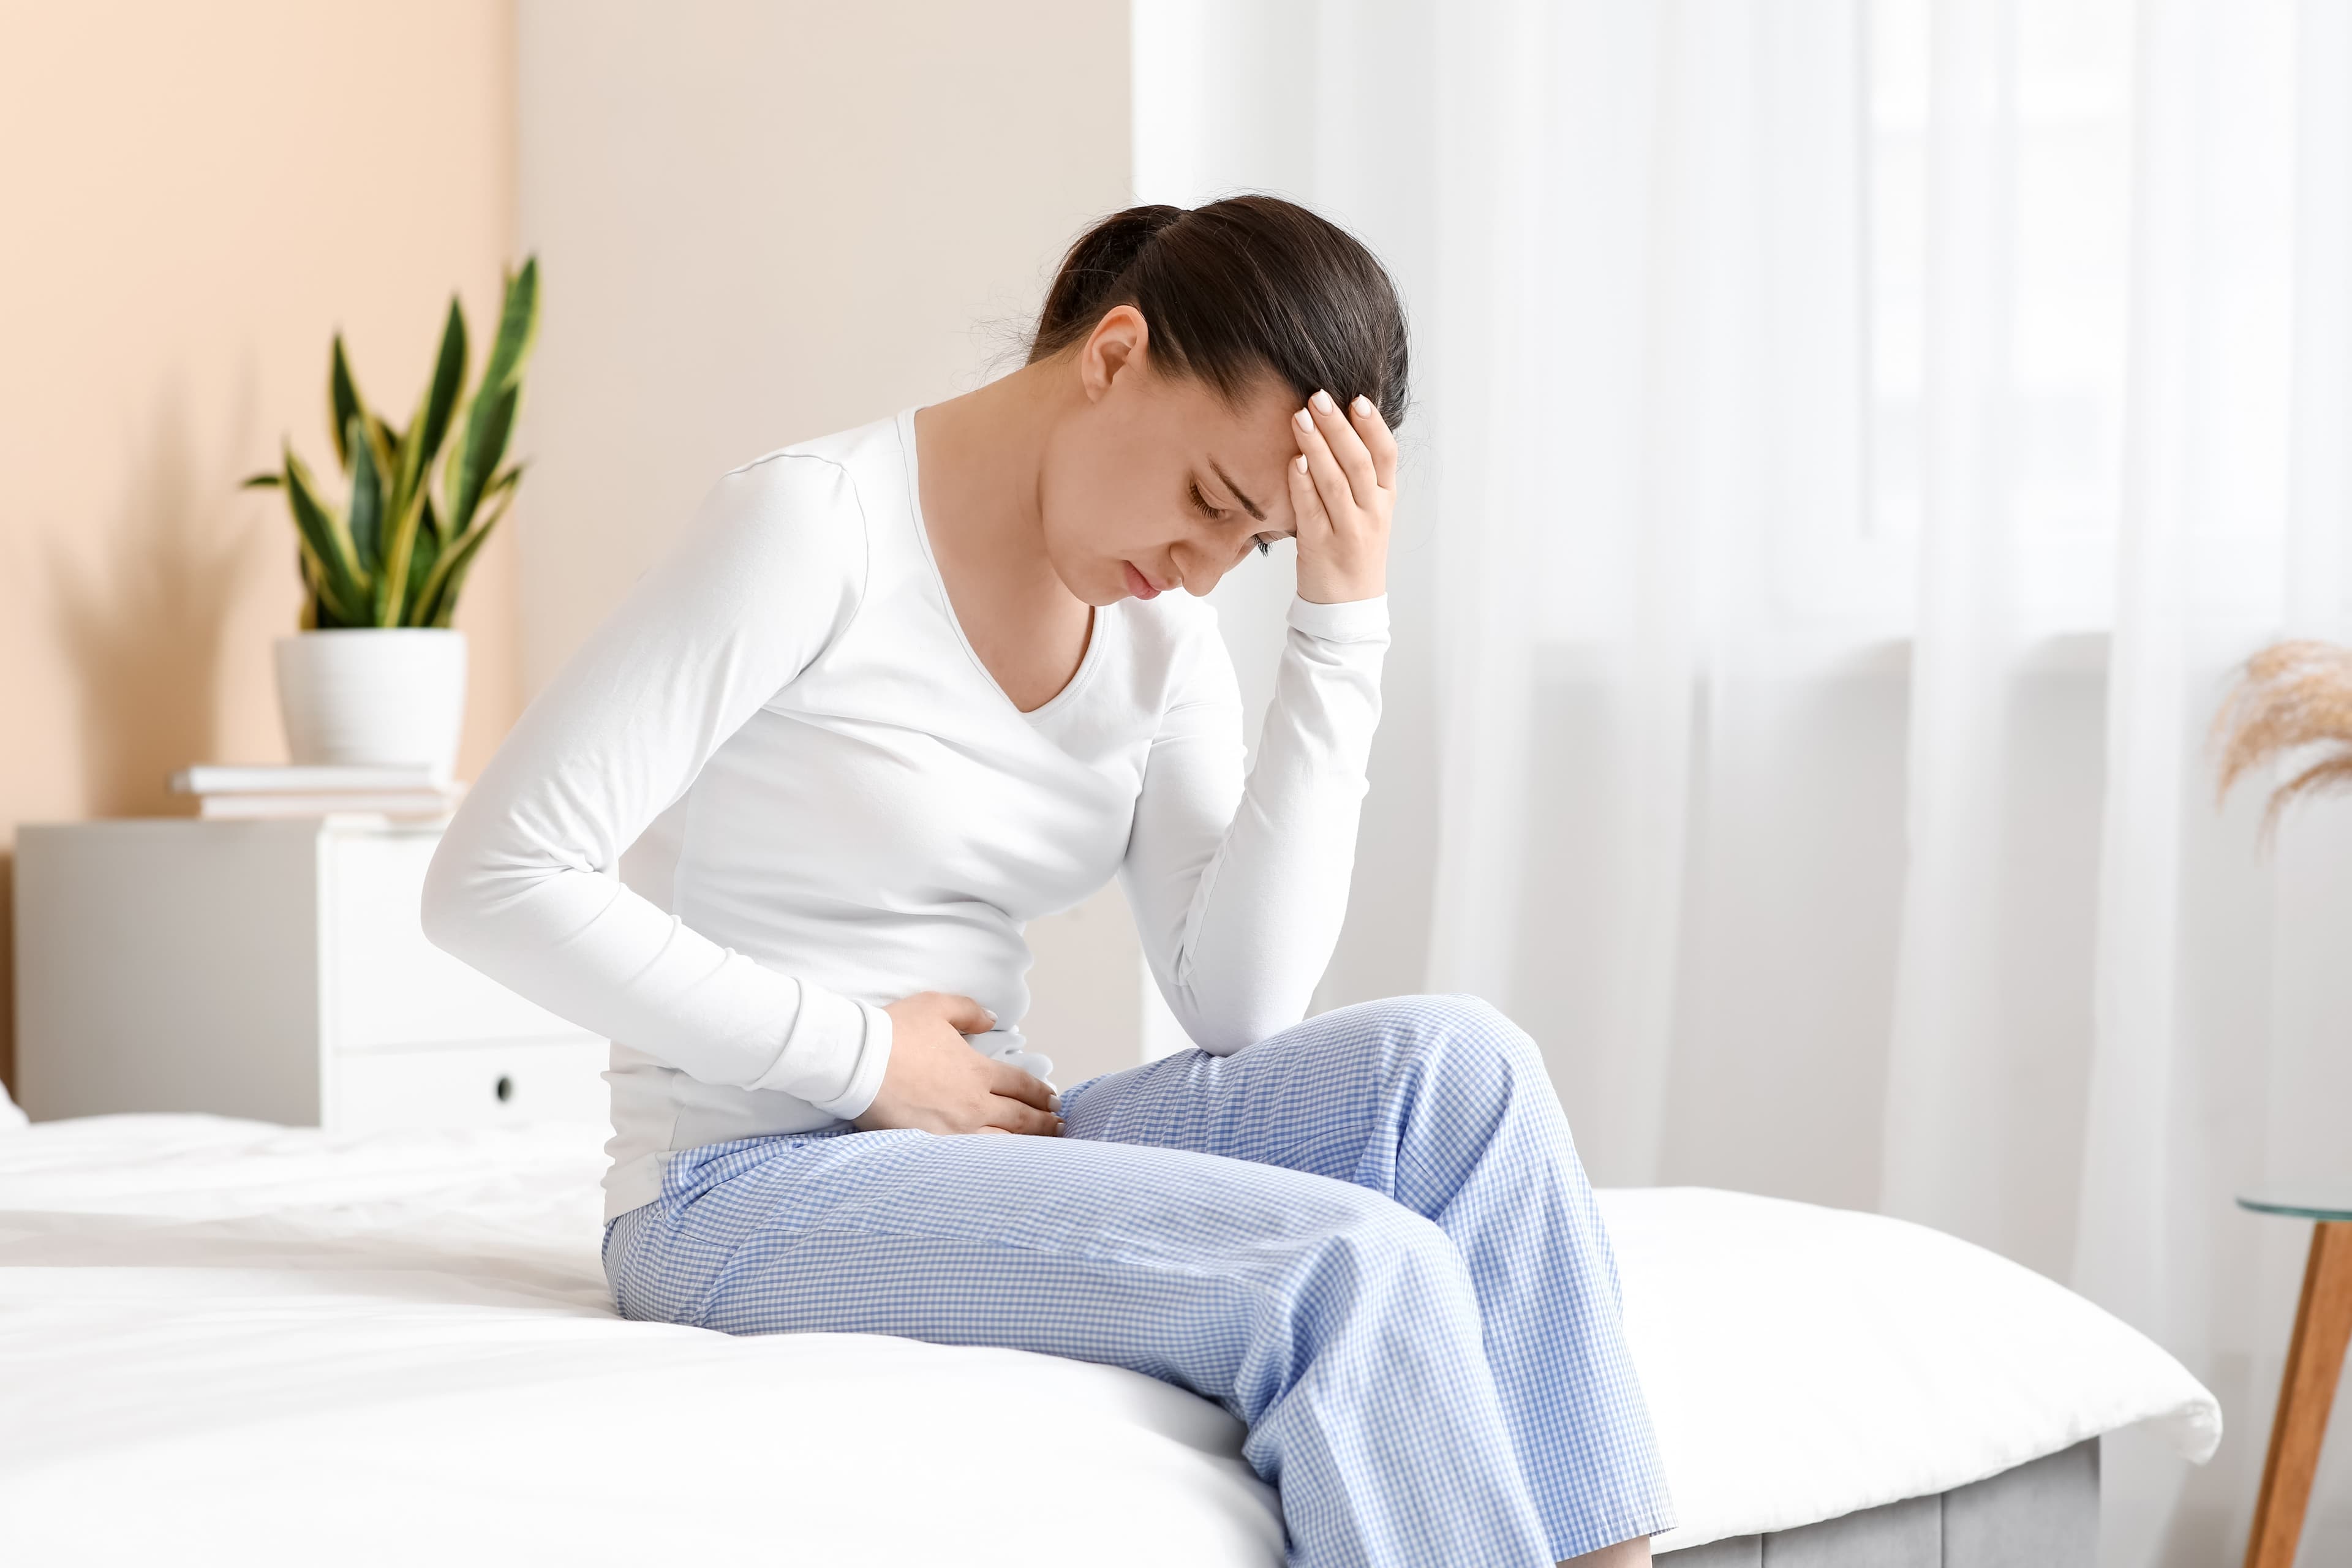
x=1201 y=571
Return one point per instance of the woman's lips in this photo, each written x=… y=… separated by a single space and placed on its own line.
x=1138 y=583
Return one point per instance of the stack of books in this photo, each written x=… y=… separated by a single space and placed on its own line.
x=313 y=790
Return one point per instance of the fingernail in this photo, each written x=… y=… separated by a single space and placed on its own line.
x=1303 y=419
x=991 y=1017
x=1053 y=1102
x=1362 y=405
x=1299 y=462
x=1323 y=404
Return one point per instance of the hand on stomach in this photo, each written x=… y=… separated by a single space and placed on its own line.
x=936 y=1083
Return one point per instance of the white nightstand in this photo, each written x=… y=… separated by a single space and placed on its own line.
x=273 y=970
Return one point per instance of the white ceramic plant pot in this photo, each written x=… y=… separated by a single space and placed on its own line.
x=376 y=696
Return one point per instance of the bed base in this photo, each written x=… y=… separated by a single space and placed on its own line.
x=2042 y=1514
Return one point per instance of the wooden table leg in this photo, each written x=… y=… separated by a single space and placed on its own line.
x=2315 y=1359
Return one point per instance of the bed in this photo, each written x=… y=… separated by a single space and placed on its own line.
x=225 y=1340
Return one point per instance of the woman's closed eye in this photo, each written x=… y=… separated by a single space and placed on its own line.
x=1262 y=543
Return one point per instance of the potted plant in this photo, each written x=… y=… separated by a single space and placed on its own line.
x=376 y=675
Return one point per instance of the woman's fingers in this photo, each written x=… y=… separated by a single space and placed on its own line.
x=1378 y=439
x=964 y=1014
x=1306 y=504
x=1341 y=508
x=1012 y=1083
x=1347 y=448
x=1338 y=497
x=1011 y=1116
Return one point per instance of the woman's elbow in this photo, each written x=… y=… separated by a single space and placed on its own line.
x=1235 y=1026
x=450 y=909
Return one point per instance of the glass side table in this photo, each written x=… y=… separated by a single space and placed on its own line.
x=2315 y=1359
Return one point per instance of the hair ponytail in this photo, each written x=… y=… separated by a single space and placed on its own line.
x=1083 y=289
x=1237 y=290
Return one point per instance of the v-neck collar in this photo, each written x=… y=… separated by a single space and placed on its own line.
x=1095 y=613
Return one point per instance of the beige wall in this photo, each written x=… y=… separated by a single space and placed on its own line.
x=761 y=222
x=192 y=198
x=765 y=221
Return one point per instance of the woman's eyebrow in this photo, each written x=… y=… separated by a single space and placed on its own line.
x=1226 y=479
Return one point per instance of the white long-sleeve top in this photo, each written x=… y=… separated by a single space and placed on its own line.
x=862 y=813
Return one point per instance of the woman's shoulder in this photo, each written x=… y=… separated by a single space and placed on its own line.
x=818 y=483
x=798 y=510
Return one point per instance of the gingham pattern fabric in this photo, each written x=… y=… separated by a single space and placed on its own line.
x=1367 y=1236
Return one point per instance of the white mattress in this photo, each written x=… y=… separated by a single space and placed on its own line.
x=221 y=1340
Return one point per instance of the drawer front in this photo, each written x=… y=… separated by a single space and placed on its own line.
x=386 y=985
x=468 y=1086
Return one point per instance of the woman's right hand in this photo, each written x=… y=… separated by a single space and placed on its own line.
x=936 y=1083
x=1343 y=490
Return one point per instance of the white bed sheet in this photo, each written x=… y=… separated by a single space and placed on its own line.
x=274 y=1347
x=231 y=1341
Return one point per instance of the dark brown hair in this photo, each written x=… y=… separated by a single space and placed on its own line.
x=1236 y=288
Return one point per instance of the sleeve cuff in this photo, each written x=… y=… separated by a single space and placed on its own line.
x=1355 y=620
x=834 y=1056
x=873 y=1060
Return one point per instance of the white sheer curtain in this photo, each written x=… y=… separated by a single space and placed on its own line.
x=1856 y=440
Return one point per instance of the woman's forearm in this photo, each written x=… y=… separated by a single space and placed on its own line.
x=1241 y=908
x=584 y=944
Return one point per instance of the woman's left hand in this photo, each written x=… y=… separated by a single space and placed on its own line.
x=1342 y=493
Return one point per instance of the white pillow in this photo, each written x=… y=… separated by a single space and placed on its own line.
x=1803 y=1363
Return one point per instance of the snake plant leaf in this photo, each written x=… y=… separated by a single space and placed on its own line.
x=424 y=551
x=491 y=420
x=503 y=483
x=518 y=328
x=317 y=615
x=407 y=465
x=305 y=565
x=367 y=503
x=386 y=442
x=324 y=535
x=448 y=574
x=343 y=403
x=431 y=427
x=261 y=482
x=318 y=605
x=392 y=580
x=417 y=447
x=480 y=450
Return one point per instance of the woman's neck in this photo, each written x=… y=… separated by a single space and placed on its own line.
x=980 y=457
x=978 y=462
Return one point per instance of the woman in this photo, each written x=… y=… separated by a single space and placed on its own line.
x=914 y=685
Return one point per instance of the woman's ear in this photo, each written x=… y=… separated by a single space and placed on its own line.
x=1119 y=343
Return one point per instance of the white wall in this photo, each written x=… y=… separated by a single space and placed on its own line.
x=760 y=223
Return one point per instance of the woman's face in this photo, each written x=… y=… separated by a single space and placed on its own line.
x=1153 y=483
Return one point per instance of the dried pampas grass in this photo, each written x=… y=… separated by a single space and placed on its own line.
x=2293 y=695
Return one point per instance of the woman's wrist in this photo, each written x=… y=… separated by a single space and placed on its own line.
x=1341 y=587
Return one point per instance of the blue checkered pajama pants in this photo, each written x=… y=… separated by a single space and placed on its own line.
x=1367 y=1236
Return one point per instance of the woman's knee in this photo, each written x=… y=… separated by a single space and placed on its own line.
x=1459 y=1033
